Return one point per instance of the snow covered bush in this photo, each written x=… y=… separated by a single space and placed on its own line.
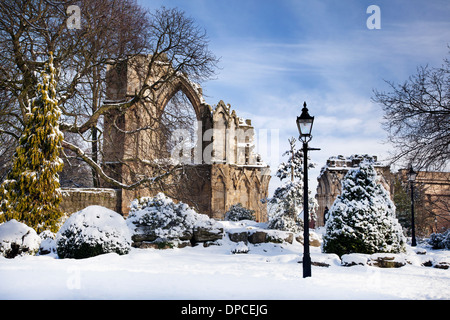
x=240 y=247
x=362 y=219
x=160 y=219
x=48 y=243
x=440 y=240
x=92 y=231
x=17 y=239
x=237 y=213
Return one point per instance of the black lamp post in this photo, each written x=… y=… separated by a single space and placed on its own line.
x=412 y=177
x=305 y=124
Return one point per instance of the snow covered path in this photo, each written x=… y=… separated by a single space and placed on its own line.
x=268 y=271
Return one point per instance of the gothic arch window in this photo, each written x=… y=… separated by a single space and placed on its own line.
x=220 y=141
x=219 y=195
x=178 y=127
x=256 y=202
x=244 y=193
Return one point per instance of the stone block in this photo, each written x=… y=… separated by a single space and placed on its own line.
x=387 y=260
x=257 y=237
x=202 y=234
x=238 y=236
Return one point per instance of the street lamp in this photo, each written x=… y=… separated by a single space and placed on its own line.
x=305 y=124
x=412 y=177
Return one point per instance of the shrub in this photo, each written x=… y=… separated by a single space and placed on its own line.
x=362 y=219
x=161 y=219
x=440 y=240
x=237 y=213
x=18 y=239
x=92 y=231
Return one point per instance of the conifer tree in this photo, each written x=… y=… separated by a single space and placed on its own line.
x=288 y=198
x=362 y=219
x=31 y=193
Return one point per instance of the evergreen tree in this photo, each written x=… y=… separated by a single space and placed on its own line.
x=31 y=193
x=362 y=219
x=288 y=198
x=423 y=216
x=402 y=201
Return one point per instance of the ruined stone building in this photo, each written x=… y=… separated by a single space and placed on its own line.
x=222 y=168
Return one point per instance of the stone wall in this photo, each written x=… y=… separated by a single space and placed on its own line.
x=77 y=199
x=436 y=191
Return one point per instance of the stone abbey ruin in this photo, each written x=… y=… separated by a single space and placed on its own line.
x=220 y=169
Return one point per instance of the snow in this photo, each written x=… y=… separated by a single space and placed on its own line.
x=14 y=232
x=267 y=271
x=94 y=225
x=354 y=259
x=168 y=220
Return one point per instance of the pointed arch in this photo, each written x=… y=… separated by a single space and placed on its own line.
x=219 y=195
x=244 y=195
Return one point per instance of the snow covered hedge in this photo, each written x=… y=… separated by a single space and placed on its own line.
x=159 y=219
x=362 y=219
x=92 y=231
x=17 y=239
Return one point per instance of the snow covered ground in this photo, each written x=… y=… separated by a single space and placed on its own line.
x=267 y=271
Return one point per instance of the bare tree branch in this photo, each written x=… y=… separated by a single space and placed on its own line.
x=417 y=118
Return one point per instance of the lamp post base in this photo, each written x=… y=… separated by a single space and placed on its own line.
x=306 y=265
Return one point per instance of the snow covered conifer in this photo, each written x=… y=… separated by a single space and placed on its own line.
x=31 y=193
x=288 y=198
x=362 y=219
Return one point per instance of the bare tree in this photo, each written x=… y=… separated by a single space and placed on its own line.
x=112 y=31
x=417 y=118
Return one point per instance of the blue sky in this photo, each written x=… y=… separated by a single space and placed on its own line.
x=277 y=54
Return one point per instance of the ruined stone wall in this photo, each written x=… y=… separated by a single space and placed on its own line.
x=76 y=199
x=232 y=184
x=226 y=170
x=436 y=189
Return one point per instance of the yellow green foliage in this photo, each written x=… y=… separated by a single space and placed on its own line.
x=31 y=193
